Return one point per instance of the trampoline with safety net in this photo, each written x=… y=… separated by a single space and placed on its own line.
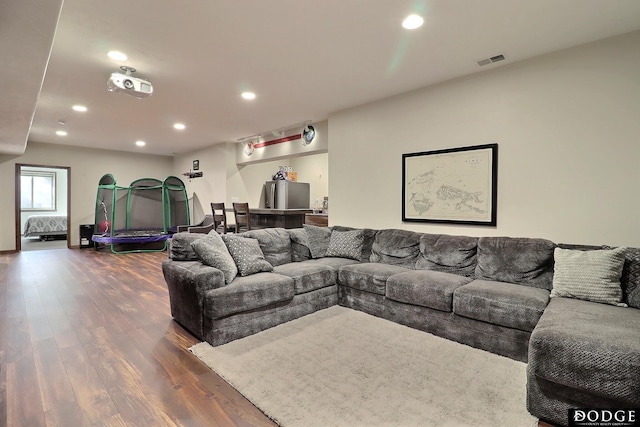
x=140 y=217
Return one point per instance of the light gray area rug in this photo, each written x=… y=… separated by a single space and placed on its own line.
x=341 y=367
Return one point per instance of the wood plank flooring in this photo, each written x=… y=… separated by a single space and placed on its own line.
x=87 y=339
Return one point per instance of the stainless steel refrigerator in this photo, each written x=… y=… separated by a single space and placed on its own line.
x=281 y=194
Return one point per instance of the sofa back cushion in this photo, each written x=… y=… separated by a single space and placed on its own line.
x=299 y=244
x=180 y=246
x=449 y=254
x=516 y=260
x=396 y=247
x=275 y=244
x=630 y=280
x=318 y=238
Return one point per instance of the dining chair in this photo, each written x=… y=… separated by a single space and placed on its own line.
x=219 y=218
x=242 y=216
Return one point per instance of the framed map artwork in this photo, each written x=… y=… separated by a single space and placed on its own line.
x=456 y=185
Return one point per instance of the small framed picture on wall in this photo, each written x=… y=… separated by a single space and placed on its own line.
x=196 y=165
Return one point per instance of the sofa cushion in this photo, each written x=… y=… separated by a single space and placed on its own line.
x=589 y=346
x=396 y=247
x=180 y=247
x=247 y=254
x=275 y=244
x=346 y=244
x=248 y=293
x=318 y=239
x=308 y=276
x=449 y=254
x=299 y=244
x=630 y=280
x=498 y=303
x=589 y=275
x=333 y=262
x=433 y=289
x=369 y=236
x=369 y=277
x=516 y=260
x=212 y=251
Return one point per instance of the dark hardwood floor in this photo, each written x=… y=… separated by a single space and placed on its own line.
x=87 y=339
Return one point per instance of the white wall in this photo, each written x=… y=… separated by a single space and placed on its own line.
x=87 y=167
x=247 y=182
x=211 y=187
x=225 y=180
x=314 y=170
x=61 y=195
x=285 y=150
x=567 y=127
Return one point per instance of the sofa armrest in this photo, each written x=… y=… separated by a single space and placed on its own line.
x=203 y=229
x=188 y=282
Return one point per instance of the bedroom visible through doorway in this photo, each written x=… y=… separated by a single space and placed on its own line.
x=42 y=207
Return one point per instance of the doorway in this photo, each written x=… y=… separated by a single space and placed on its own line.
x=42 y=206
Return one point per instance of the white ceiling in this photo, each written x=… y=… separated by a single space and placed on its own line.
x=303 y=58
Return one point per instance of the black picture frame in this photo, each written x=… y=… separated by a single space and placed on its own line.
x=196 y=165
x=451 y=186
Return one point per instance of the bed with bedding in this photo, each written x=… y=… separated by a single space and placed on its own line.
x=45 y=225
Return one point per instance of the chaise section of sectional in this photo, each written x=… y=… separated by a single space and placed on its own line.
x=583 y=354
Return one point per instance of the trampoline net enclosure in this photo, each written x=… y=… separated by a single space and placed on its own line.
x=148 y=210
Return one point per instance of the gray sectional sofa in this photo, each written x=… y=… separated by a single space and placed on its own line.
x=494 y=293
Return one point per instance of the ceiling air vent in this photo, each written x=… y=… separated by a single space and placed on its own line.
x=491 y=60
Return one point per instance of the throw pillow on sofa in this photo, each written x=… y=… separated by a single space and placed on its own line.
x=318 y=240
x=247 y=254
x=589 y=275
x=212 y=251
x=346 y=244
x=368 y=236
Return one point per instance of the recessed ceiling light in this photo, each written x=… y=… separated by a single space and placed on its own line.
x=248 y=95
x=61 y=133
x=117 y=55
x=179 y=126
x=412 y=22
x=80 y=108
x=141 y=143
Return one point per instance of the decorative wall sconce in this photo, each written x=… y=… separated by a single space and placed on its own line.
x=308 y=134
x=249 y=148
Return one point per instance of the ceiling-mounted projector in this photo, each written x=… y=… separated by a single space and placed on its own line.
x=126 y=83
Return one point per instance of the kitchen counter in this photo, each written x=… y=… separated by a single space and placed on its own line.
x=264 y=211
x=318 y=219
x=283 y=218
